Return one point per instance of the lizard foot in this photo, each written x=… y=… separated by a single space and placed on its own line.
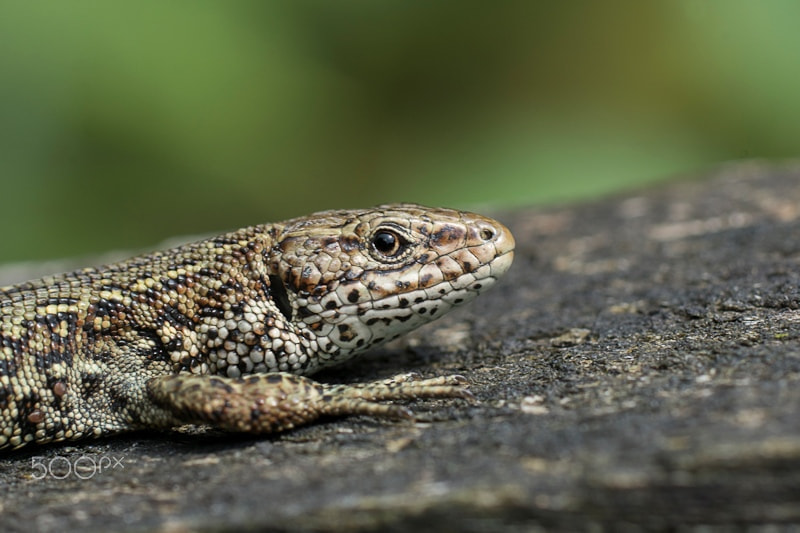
x=363 y=398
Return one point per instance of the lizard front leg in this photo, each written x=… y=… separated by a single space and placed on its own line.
x=278 y=401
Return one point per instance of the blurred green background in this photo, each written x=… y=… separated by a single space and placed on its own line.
x=123 y=123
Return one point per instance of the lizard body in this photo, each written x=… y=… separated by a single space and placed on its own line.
x=223 y=331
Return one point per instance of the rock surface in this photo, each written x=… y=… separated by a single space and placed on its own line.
x=638 y=368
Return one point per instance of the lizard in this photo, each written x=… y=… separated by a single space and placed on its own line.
x=225 y=331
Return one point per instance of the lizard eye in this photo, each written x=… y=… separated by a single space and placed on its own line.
x=388 y=243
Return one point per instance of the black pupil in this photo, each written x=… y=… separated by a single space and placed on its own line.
x=385 y=242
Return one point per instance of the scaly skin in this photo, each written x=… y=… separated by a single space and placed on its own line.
x=223 y=331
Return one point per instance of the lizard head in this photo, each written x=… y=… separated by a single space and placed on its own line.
x=355 y=279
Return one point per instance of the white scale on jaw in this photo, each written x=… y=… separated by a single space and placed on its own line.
x=387 y=318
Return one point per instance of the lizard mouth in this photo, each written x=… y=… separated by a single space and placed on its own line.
x=502 y=263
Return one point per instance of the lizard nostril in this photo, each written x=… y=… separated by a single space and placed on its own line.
x=487 y=234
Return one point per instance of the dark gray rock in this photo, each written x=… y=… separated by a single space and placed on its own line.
x=638 y=368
